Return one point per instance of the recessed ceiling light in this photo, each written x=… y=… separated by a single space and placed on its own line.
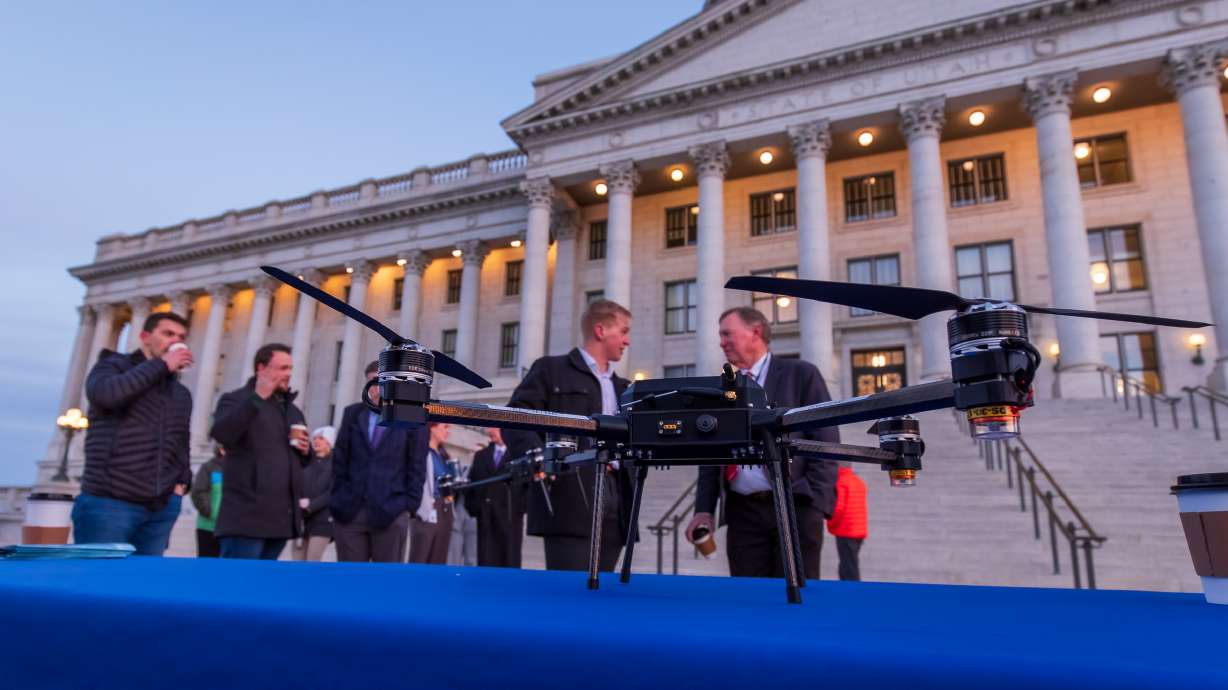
x=766 y=158
x=601 y=188
x=457 y=253
x=516 y=243
x=402 y=262
x=976 y=118
x=349 y=269
x=778 y=196
x=694 y=210
x=676 y=174
x=783 y=302
x=968 y=166
x=865 y=138
x=1102 y=94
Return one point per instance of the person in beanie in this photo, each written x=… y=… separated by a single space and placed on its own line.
x=318 y=490
x=849 y=523
x=207 y=497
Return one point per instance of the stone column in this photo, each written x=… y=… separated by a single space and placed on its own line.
x=80 y=360
x=540 y=193
x=810 y=144
x=263 y=287
x=207 y=361
x=140 y=311
x=351 y=343
x=711 y=162
x=1193 y=75
x=1047 y=100
x=563 y=326
x=621 y=178
x=103 y=339
x=416 y=262
x=921 y=123
x=473 y=254
x=304 y=325
x=181 y=303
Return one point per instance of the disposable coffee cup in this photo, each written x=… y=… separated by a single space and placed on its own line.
x=1202 y=500
x=299 y=436
x=176 y=346
x=48 y=519
x=705 y=542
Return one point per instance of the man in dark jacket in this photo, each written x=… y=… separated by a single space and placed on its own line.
x=264 y=465
x=751 y=541
x=137 y=464
x=498 y=509
x=581 y=382
x=378 y=476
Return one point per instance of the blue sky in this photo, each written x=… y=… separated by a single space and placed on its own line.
x=118 y=117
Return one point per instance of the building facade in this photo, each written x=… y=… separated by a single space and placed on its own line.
x=1068 y=153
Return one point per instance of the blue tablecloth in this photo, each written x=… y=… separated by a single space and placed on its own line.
x=178 y=623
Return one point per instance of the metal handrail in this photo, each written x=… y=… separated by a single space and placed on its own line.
x=1140 y=387
x=674 y=515
x=1212 y=396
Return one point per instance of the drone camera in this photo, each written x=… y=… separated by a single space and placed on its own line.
x=406 y=372
x=992 y=365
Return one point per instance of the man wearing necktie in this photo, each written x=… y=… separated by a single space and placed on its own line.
x=751 y=541
x=498 y=508
x=378 y=475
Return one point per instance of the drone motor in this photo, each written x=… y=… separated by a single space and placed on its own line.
x=992 y=364
x=902 y=436
x=406 y=373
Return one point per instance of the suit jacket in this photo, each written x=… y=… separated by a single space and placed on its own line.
x=790 y=383
x=564 y=383
x=499 y=502
x=386 y=480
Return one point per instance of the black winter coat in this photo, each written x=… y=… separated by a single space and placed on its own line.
x=263 y=478
x=136 y=447
x=318 y=490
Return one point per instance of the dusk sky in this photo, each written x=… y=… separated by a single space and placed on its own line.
x=118 y=117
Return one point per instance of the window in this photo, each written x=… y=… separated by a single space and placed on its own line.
x=1135 y=354
x=337 y=362
x=681 y=226
x=592 y=296
x=772 y=212
x=874 y=270
x=454 y=285
x=398 y=290
x=875 y=371
x=675 y=371
x=509 y=338
x=596 y=240
x=1102 y=160
x=1117 y=259
x=986 y=270
x=778 y=308
x=511 y=281
x=680 y=299
x=977 y=180
x=869 y=197
x=447 y=342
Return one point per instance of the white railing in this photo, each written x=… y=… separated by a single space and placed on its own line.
x=252 y=216
x=343 y=198
x=208 y=225
x=509 y=160
x=394 y=186
x=291 y=208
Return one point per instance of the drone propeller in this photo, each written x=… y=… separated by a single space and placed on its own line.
x=913 y=303
x=443 y=363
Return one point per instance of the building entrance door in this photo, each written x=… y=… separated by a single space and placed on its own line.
x=875 y=371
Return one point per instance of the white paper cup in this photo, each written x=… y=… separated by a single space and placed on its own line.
x=48 y=519
x=1202 y=500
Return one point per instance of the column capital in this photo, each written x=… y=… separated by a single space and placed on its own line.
x=362 y=271
x=311 y=275
x=564 y=224
x=473 y=252
x=140 y=304
x=416 y=261
x=711 y=158
x=620 y=176
x=103 y=310
x=1191 y=66
x=218 y=292
x=85 y=314
x=263 y=286
x=1049 y=93
x=810 y=139
x=923 y=118
x=539 y=191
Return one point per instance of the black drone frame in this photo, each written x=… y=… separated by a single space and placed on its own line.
x=727 y=419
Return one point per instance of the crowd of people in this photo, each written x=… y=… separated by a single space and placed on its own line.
x=374 y=491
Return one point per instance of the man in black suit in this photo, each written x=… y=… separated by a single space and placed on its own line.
x=580 y=382
x=499 y=508
x=378 y=473
x=751 y=541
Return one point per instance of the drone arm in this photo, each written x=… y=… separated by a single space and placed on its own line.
x=909 y=400
x=824 y=450
x=510 y=418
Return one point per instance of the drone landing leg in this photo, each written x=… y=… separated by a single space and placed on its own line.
x=641 y=473
x=799 y=561
x=784 y=529
x=594 y=542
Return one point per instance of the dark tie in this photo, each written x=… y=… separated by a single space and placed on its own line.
x=498 y=457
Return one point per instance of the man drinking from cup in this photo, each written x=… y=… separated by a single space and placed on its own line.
x=266 y=448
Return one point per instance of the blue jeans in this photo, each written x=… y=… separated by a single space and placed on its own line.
x=251 y=548
x=102 y=520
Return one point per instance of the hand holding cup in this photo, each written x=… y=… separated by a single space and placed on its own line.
x=177 y=357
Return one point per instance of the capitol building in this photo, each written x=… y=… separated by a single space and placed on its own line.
x=1067 y=153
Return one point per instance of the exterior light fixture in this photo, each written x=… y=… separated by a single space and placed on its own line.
x=878 y=361
x=778 y=197
x=968 y=166
x=694 y=210
x=783 y=302
x=1082 y=150
x=640 y=376
x=601 y=188
x=516 y=243
x=976 y=118
x=1102 y=94
x=676 y=174
x=70 y=423
x=1055 y=350
x=766 y=158
x=865 y=138
x=349 y=269
x=1196 y=341
x=402 y=262
x=457 y=253
x=1100 y=274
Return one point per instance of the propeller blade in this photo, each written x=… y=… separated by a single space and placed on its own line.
x=450 y=367
x=910 y=303
x=336 y=304
x=1111 y=316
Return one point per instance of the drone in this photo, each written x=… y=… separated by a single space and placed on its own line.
x=728 y=419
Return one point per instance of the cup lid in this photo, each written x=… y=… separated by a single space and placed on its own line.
x=1210 y=480
x=43 y=496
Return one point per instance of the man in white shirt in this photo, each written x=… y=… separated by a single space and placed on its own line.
x=430 y=530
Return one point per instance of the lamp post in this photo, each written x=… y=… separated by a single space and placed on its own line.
x=70 y=422
x=1197 y=340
